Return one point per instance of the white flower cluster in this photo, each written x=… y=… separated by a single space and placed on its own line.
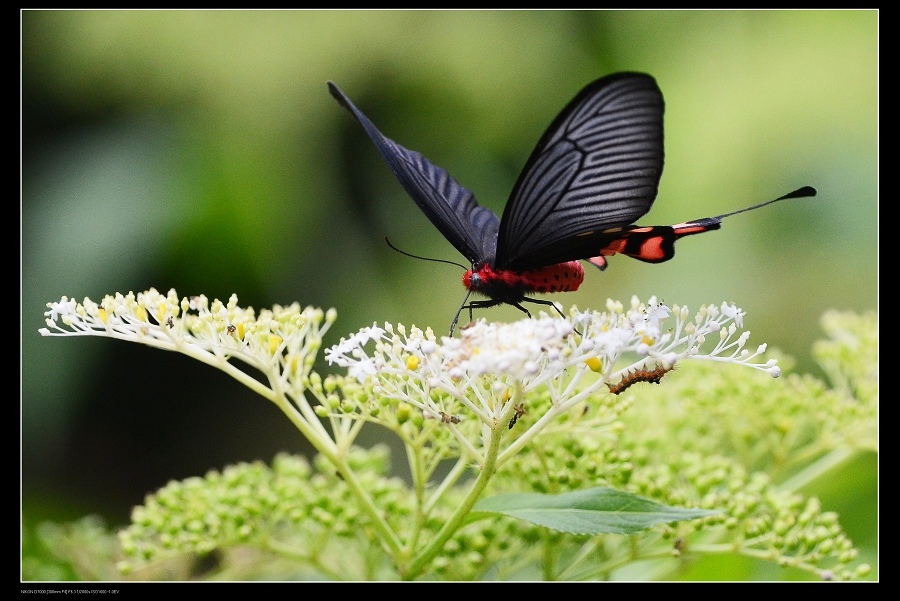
x=484 y=374
x=487 y=370
x=281 y=342
x=514 y=349
x=489 y=360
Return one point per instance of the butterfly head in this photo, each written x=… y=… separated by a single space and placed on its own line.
x=498 y=284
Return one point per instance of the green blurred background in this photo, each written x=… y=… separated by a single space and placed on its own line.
x=200 y=150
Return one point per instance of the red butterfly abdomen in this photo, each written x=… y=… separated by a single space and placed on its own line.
x=562 y=277
x=505 y=283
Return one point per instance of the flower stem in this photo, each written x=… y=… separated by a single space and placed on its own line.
x=488 y=468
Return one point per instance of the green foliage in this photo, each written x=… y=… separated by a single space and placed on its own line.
x=592 y=511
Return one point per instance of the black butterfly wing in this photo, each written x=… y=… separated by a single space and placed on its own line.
x=452 y=209
x=596 y=167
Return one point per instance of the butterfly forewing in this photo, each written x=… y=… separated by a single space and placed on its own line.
x=452 y=209
x=596 y=167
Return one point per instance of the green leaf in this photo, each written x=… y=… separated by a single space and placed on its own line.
x=593 y=511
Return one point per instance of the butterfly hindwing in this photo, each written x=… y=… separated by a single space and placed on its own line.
x=453 y=210
x=596 y=167
x=651 y=244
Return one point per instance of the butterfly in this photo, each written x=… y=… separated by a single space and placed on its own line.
x=593 y=173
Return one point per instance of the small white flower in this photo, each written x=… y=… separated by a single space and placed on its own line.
x=362 y=369
x=63 y=307
x=732 y=312
x=337 y=353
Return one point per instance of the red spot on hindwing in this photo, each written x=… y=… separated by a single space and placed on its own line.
x=689 y=228
x=614 y=247
x=652 y=249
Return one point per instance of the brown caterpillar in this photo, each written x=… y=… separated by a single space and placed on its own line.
x=639 y=375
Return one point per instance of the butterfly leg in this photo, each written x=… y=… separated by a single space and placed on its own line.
x=476 y=304
x=470 y=305
x=540 y=301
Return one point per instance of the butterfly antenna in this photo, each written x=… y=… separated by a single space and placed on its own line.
x=804 y=192
x=403 y=252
